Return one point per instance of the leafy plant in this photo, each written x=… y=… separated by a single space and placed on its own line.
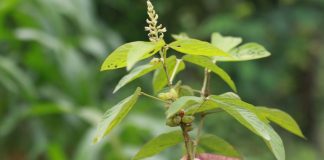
x=183 y=104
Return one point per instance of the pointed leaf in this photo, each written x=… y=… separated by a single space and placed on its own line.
x=143 y=49
x=159 y=78
x=196 y=47
x=275 y=144
x=159 y=144
x=136 y=73
x=119 y=57
x=225 y=43
x=181 y=103
x=115 y=115
x=207 y=63
x=248 y=51
x=218 y=145
x=282 y=119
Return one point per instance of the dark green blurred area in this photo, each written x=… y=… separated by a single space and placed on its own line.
x=52 y=94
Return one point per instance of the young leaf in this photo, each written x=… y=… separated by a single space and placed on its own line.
x=248 y=51
x=282 y=119
x=136 y=73
x=159 y=144
x=115 y=115
x=225 y=43
x=207 y=63
x=218 y=145
x=181 y=103
x=140 y=50
x=197 y=47
x=244 y=113
x=159 y=78
x=119 y=57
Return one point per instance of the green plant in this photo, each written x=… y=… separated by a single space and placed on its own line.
x=184 y=104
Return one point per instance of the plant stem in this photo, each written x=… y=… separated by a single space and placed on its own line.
x=156 y=98
x=188 y=142
x=163 y=56
x=175 y=69
x=204 y=93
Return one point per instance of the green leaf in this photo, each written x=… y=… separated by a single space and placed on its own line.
x=136 y=73
x=115 y=115
x=196 y=47
x=275 y=144
x=159 y=144
x=225 y=43
x=181 y=103
x=143 y=49
x=159 y=79
x=218 y=145
x=248 y=51
x=230 y=95
x=207 y=63
x=180 y=36
x=185 y=90
x=244 y=113
x=282 y=119
x=120 y=57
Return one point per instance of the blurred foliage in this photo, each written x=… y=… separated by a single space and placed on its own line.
x=52 y=93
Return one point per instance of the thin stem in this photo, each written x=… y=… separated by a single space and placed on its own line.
x=156 y=98
x=204 y=93
x=175 y=69
x=163 y=56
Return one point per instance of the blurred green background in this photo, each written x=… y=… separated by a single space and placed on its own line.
x=52 y=94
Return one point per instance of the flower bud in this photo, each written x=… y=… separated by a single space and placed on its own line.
x=188 y=119
x=169 y=122
x=155 y=61
x=177 y=120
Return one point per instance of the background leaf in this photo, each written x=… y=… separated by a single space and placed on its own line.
x=159 y=144
x=115 y=115
x=196 y=47
x=225 y=43
x=207 y=63
x=218 y=145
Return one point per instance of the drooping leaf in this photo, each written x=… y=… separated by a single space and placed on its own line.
x=159 y=79
x=218 y=145
x=140 y=50
x=248 y=51
x=225 y=43
x=159 y=144
x=181 y=103
x=275 y=144
x=196 y=47
x=244 y=113
x=119 y=57
x=136 y=73
x=282 y=119
x=115 y=115
x=207 y=63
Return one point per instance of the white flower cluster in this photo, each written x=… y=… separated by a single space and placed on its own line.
x=155 y=31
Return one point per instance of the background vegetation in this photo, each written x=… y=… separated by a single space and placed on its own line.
x=52 y=93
